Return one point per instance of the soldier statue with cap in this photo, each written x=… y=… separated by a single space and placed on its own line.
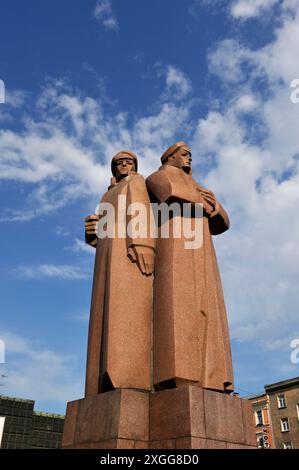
x=190 y=331
x=119 y=343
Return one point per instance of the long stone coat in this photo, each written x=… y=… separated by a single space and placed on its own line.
x=190 y=330
x=119 y=342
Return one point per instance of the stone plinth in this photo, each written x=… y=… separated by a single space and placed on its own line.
x=193 y=418
x=187 y=417
x=112 y=420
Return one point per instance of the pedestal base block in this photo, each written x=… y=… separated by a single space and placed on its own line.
x=112 y=420
x=193 y=418
x=187 y=417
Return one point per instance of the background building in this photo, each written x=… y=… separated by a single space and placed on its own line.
x=261 y=409
x=284 y=406
x=23 y=428
x=276 y=414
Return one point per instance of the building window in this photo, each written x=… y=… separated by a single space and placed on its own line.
x=281 y=401
x=285 y=425
x=260 y=440
x=259 y=418
x=287 y=445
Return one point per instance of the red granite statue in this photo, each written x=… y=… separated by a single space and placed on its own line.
x=180 y=399
x=119 y=348
x=190 y=333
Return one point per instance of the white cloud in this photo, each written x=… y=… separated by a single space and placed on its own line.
x=81 y=246
x=104 y=14
x=64 y=152
x=63 y=272
x=153 y=130
x=241 y=10
x=246 y=103
x=34 y=372
x=250 y=141
x=81 y=317
x=244 y=9
x=279 y=59
x=257 y=176
x=62 y=231
x=16 y=98
x=227 y=61
x=177 y=82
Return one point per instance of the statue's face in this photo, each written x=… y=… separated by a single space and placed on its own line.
x=123 y=166
x=182 y=158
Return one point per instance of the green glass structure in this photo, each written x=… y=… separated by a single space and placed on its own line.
x=25 y=428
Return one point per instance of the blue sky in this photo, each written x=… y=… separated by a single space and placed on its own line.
x=84 y=79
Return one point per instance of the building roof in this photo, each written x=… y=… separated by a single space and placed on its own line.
x=282 y=384
x=21 y=400
x=31 y=402
x=48 y=415
x=256 y=397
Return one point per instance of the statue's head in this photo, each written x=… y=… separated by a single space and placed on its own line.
x=178 y=155
x=122 y=163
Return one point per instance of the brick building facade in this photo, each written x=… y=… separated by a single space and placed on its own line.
x=276 y=414
x=262 y=419
x=284 y=406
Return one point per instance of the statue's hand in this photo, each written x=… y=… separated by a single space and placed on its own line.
x=91 y=224
x=91 y=229
x=209 y=201
x=144 y=257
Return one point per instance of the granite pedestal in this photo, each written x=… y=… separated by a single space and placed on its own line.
x=187 y=417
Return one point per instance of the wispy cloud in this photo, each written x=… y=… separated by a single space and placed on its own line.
x=227 y=61
x=81 y=317
x=177 y=82
x=36 y=372
x=240 y=10
x=57 y=150
x=244 y=9
x=250 y=164
x=256 y=172
x=50 y=271
x=16 y=98
x=62 y=231
x=80 y=246
x=103 y=12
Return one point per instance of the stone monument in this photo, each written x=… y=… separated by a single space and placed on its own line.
x=159 y=369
